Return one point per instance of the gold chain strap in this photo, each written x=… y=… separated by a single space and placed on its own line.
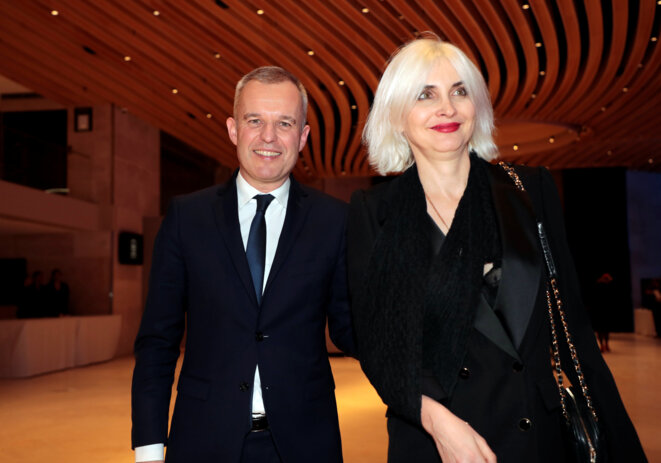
x=565 y=327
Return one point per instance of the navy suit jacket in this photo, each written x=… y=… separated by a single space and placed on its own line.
x=200 y=280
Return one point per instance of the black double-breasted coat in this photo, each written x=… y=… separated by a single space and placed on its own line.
x=505 y=387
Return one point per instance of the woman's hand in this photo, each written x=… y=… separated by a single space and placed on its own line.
x=455 y=440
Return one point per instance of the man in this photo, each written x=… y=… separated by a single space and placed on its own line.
x=255 y=384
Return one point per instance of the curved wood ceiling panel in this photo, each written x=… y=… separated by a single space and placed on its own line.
x=575 y=83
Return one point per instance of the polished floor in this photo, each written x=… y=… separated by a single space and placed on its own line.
x=83 y=414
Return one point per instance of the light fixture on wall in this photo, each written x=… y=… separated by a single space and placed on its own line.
x=82 y=119
x=130 y=248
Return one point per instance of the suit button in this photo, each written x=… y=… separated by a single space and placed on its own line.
x=525 y=424
x=464 y=373
x=259 y=336
x=518 y=367
x=244 y=387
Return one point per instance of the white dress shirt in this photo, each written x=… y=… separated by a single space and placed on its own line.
x=275 y=219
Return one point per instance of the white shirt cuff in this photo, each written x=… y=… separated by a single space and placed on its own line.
x=153 y=452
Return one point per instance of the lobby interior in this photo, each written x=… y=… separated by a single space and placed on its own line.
x=109 y=110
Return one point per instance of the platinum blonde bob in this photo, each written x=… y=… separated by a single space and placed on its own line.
x=401 y=84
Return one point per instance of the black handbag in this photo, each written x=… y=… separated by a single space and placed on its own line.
x=583 y=434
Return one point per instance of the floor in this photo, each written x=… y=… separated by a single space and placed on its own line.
x=83 y=414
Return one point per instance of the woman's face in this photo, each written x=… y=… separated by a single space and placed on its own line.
x=441 y=123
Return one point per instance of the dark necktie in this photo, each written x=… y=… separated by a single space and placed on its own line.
x=256 y=248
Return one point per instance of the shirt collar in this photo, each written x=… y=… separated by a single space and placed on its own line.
x=245 y=191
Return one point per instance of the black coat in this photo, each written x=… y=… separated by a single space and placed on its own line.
x=200 y=279
x=505 y=391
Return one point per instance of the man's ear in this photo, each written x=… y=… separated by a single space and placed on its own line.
x=231 y=129
x=304 y=138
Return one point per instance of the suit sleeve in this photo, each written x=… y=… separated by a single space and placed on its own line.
x=622 y=439
x=159 y=337
x=360 y=236
x=339 y=314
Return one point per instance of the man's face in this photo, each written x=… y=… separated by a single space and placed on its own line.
x=269 y=132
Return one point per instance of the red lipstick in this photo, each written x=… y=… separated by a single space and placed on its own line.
x=447 y=128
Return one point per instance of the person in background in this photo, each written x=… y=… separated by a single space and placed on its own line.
x=654 y=293
x=447 y=279
x=252 y=269
x=57 y=295
x=602 y=308
x=34 y=301
x=24 y=303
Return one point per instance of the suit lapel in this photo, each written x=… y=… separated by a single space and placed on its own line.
x=522 y=259
x=227 y=221
x=298 y=206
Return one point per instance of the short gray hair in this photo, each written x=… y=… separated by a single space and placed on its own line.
x=272 y=75
x=401 y=83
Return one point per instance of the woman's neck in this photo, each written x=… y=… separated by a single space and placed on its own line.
x=446 y=178
x=444 y=182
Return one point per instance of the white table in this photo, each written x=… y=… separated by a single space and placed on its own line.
x=30 y=347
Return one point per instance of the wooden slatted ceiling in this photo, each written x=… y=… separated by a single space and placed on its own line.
x=583 y=73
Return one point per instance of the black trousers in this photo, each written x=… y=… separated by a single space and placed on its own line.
x=258 y=447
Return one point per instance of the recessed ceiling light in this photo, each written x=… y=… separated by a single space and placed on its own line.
x=551 y=139
x=156 y=13
x=515 y=147
x=533 y=96
x=127 y=58
x=311 y=52
x=625 y=89
x=216 y=55
x=653 y=39
x=209 y=115
x=260 y=12
x=175 y=91
x=353 y=106
x=542 y=73
x=538 y=44
x=525 y=6
x=650 y=161
x=340 y=82
x=365 y=10
x=54 y=12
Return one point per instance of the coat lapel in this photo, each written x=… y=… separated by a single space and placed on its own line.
x=487 y=323
x=298 y=206
x=227 y=221
x=522 y=259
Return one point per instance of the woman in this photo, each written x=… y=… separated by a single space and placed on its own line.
x=447 y=279
x=604 y=299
